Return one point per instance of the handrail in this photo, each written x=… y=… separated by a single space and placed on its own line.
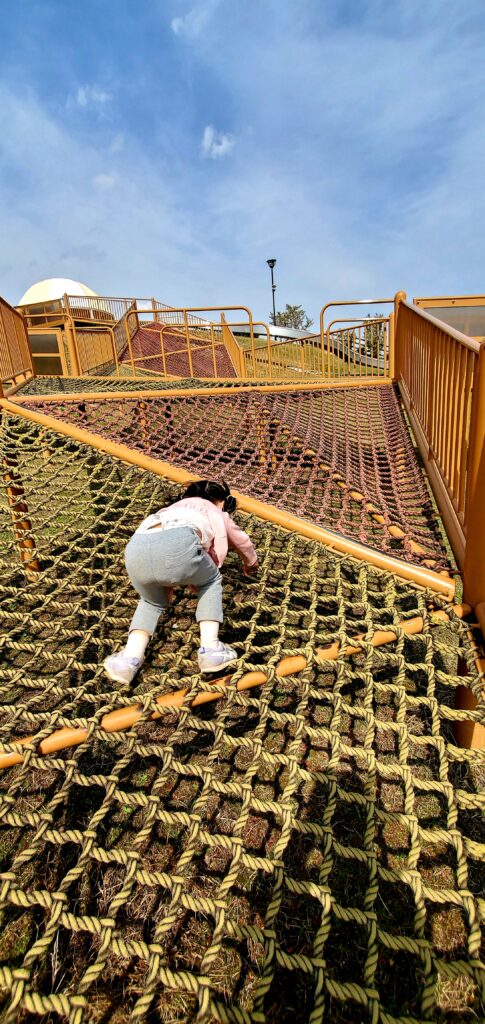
x=358 y=321
x=464 y=339
x=189 y=392
x=353 y=325
x=349 y=302
x=59 y=314
x=185 y=328
x=15 y=353
x=279 y=342
x=441 y=375
x=298 y=347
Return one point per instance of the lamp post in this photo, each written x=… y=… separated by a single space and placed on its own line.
x=271 y=264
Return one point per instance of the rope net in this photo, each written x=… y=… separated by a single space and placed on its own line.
x=341 y=458
x=306 y=851
x=207 y=361
x=72 y=385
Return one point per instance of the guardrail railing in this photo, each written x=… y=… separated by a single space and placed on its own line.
x=441 y=376
x=203 y=346
x=15 y=356
x=358 y=348
x=273 y=360
x=97 y=307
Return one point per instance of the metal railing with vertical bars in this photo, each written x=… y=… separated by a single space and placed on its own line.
x=441 y=377
x=15 y=355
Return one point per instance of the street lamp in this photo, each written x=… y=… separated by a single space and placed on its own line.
x=271 y=264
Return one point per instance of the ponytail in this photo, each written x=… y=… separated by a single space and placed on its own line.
x=210 y=490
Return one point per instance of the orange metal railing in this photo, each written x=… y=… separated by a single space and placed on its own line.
x=441 y=376
x=169 y=315
x=97 y=308
x=234 y=349
x=193 y=335
x=124 y=331
x=362 y=346
x=357 y=348
x=290 y=358
x=15 y=355
x=191 y=343
x=96 y=350
x=344 y=348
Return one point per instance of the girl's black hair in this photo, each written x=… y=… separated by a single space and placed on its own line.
x=211 y=491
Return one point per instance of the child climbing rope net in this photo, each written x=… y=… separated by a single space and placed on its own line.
x=182 y=544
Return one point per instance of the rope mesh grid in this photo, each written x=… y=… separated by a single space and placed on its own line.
x=71 y=385
x=341 y=458
x=147 y=344
x=307 y=851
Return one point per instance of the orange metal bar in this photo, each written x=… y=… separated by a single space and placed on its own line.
x=438 y=368
x=126 y=717
x=187 y=339
x=352 y=302
x=214 y=362
x=452 y=523
x=162 y=349
x=451 y=300
x=474 y=574
x=114 y=396
x=349 y=352
x=128 y=338
x=115 y=354
x=469 y=368
x=16 y=387
x=454 y=417
x=451 y=332
x=19 y=513
x=71 y=343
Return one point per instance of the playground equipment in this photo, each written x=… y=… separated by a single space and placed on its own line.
x=299 y=840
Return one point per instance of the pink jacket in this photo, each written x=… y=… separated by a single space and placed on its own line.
x=226 y=533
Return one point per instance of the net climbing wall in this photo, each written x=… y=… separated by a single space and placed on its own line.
x=340 y=458
x=307 y=850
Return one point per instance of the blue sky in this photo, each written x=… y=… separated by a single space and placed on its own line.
x=169 y=147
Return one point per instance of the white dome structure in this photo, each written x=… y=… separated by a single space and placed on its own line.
x=52 y=290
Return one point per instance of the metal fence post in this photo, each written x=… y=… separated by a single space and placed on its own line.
x=474 y=569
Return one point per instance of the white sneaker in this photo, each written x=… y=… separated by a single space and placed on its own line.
x=213 y=658
x=121 y=669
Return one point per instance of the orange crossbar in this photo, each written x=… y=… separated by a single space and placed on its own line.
x=124 y=718
x=117 y=396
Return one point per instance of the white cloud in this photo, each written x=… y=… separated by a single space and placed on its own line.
x=359 y=178
x=117 y=143
x=89 y=96
x=103 y=181
x=135 y=238
x=195 y=21
x=216 y=144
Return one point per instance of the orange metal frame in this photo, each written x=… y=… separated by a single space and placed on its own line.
x=358 y=323
x=15 y=355
x=437 y=370
x=450 y=300
x=441 y=376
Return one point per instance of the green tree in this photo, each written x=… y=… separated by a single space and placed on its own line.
x=375 y=336
x=292 y=316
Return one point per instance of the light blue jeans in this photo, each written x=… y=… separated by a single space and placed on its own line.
x=165 y=558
